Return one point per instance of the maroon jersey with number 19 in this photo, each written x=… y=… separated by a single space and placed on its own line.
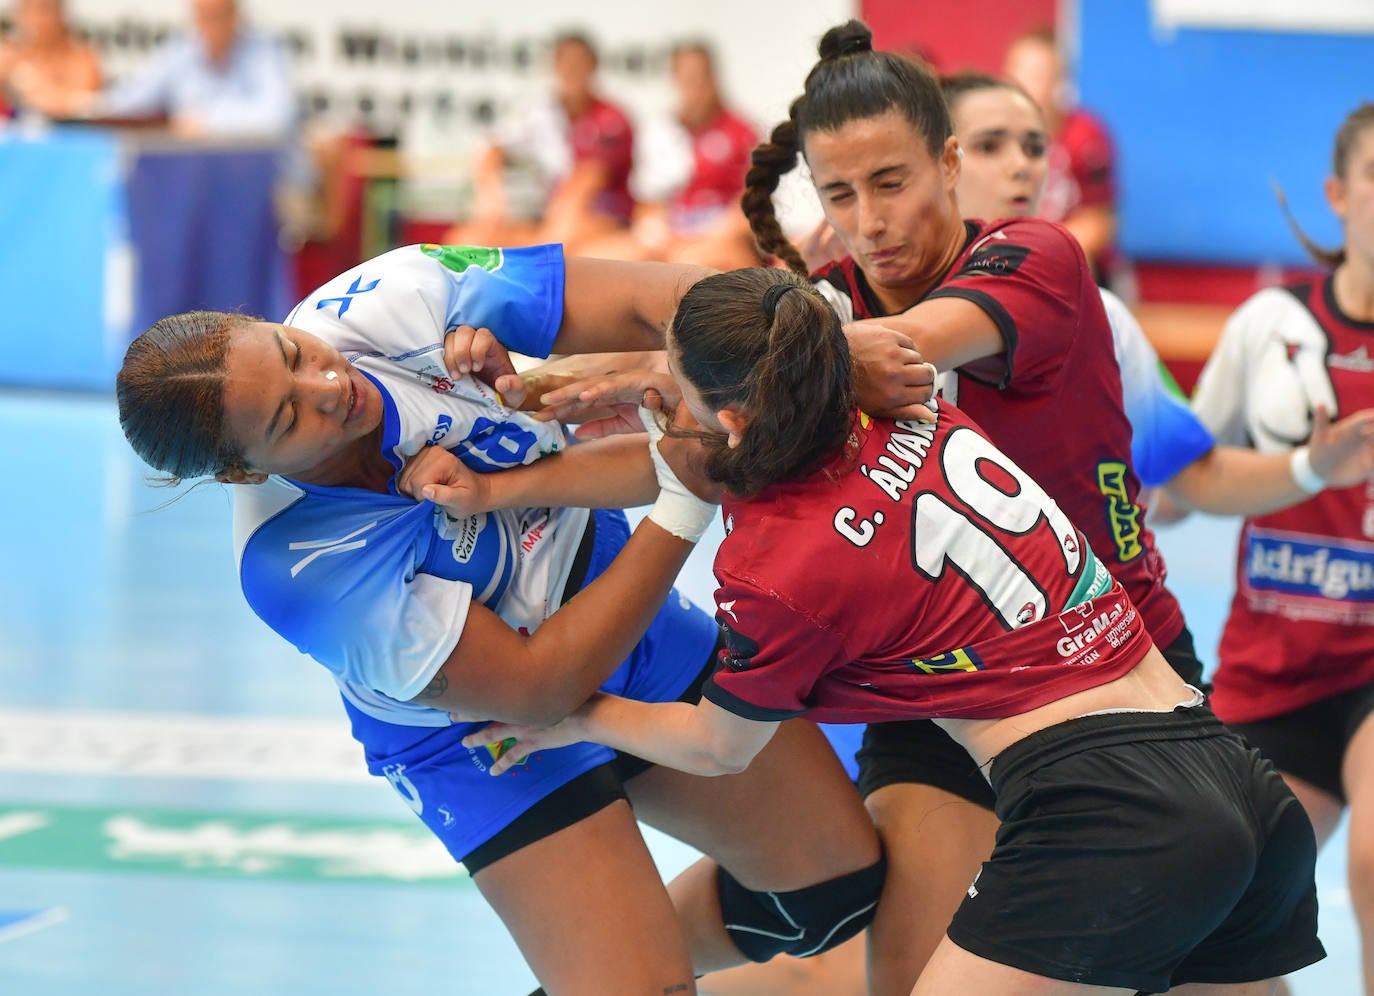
x=1051 y=400
x=920 y=574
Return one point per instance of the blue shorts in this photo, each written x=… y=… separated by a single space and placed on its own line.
x=447 y=785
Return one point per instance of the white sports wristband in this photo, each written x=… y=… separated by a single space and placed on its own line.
x=677 y=510
x=1300 y=466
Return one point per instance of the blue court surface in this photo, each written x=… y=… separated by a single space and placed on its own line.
x=182 y=809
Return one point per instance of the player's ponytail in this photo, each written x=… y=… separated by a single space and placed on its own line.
x=1347 y=135
x=768 y=162
x=765 y=342
x=170 y=391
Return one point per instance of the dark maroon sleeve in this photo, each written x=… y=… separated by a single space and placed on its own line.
x=1028 y=277
x=774 y=655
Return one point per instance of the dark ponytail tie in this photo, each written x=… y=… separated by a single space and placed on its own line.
x=772 y=296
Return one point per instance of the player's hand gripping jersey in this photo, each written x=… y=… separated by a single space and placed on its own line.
x=992 y=603
x=377 y=587
x=1301 y=626
x=1052 y=400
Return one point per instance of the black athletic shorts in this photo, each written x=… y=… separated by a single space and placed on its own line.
x=588 y=793
x=917 y=752
x=1311 y=742
x=1144 y=850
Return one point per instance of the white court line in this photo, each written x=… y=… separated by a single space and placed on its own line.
x=34 y=923
x=178 y=745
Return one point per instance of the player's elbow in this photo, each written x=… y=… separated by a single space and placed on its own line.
x=721 y=756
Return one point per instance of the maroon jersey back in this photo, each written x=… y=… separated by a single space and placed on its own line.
x=921 y=574
x=1052 y=400
x=1301 y=626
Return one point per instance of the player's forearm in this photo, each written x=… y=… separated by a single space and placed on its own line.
x=614 y=472
x=577 y=647
x=666 y=733
x=1232 y=480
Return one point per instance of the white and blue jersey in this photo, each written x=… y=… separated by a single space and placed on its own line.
x=1165 y=434
x=377 y=587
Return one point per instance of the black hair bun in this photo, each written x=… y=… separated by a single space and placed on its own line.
x=846 y=39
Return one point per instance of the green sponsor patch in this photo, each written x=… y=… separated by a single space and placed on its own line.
x=222 y=845
x=460 y=258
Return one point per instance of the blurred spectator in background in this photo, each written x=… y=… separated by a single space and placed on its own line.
x=220 y=80
x=1080 y=191
x=42 y=52
x=690 y=174
x=582 y=147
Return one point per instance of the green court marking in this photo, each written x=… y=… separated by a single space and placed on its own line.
x=222 y=845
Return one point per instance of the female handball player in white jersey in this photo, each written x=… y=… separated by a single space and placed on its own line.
x=328 y=427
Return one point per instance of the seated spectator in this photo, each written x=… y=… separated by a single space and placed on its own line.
x=582 y=147
x=220 y=80
x=1080 y=190
x=691 y=167
x=43 y=52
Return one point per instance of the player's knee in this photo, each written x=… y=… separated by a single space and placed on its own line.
x=803 y=922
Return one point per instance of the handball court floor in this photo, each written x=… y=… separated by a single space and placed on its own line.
x=182 y=810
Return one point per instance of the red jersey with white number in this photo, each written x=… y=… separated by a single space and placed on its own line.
x=602 y=134
x=1301 y=626
x=953 y=586
x=720 y=158
x=1052 y=399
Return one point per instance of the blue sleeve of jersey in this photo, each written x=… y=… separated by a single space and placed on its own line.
x=344 y=588
x=1165 y=434
x=517 y=293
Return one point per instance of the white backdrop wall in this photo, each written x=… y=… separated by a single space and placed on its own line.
x=398 y=63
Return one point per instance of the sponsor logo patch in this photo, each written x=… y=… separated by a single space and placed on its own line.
x=996 y=259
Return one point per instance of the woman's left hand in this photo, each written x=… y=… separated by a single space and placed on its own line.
x=1342 y=452
x=514 y=744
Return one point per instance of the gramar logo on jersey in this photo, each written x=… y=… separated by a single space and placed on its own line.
x=995 y=259
x=462 y=258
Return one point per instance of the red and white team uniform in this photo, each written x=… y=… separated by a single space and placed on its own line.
x=1301 y=626
x=1007 y=608
x=720 y=158
x=1052 y=400
x=555 y=143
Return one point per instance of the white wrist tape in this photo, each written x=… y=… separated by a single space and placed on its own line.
x=1300 y=466
x=677 y=510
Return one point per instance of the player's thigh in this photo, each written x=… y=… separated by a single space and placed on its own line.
x=789 y=820
x=1358 y=778
x=935 y=842
x=1322 y=808
x=1265 y=987
x=952 y=971
x=588 y=910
